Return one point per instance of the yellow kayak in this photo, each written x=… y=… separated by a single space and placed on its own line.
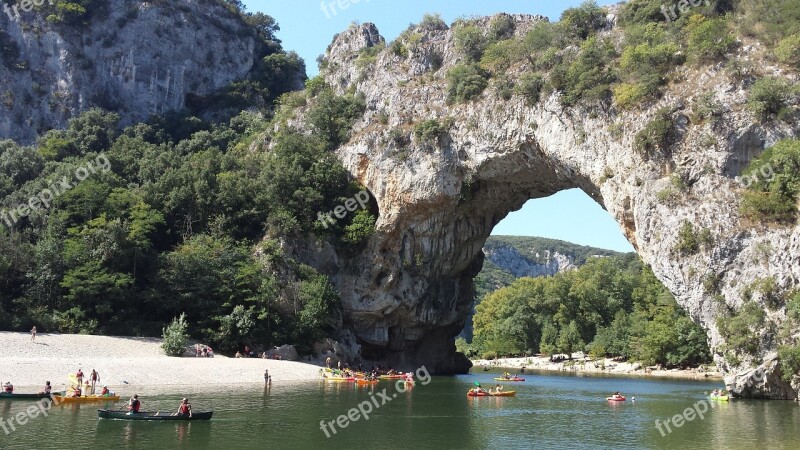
x=85 y=399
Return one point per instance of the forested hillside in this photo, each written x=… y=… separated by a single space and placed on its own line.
x=114 y=230
x=611 y=306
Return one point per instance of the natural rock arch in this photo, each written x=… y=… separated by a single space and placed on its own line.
x=410 y=292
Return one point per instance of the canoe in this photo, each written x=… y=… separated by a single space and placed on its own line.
x=85 y=399
x=510 y=379
x=23 y=396
x=616 y=399
x=340 y=379
x=472 y=393
x=152 y=415
x=392 y=377
x=719 y=398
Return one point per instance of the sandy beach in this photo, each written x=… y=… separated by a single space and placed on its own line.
x=604 y=366
x=130 y=362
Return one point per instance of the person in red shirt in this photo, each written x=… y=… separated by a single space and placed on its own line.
x=134 y=404
x=185 y=409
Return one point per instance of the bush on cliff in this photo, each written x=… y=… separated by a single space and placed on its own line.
x=466 y=82
x=774 y=184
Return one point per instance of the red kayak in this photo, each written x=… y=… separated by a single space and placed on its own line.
x=470 y=393
x=616 y=399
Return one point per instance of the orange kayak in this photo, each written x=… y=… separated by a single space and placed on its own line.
x=472 y=393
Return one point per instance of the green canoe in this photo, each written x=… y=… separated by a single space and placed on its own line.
x=23 y=396
x=151 y=415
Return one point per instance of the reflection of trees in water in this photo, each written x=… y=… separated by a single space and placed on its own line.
x=735 y=424
x=766 y=423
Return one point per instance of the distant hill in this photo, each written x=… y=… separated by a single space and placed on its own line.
x=512 y=257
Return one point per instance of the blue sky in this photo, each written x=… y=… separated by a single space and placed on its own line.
x=307 y=28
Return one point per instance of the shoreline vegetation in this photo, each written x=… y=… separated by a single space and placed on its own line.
x=584 y=364
x=130 y=362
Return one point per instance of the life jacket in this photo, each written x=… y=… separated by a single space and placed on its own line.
x=135 y=406
x=104 y=391
x=185 y=408
x=47 y=389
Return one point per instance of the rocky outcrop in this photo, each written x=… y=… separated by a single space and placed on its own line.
x=137 y=59
x=510 y=260
x=411 y=290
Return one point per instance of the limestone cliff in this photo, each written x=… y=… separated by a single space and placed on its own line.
x=135 y=58
x=439 y=201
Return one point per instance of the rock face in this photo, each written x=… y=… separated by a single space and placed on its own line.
x=139 y=59
x=411 y=292
x=509 y=259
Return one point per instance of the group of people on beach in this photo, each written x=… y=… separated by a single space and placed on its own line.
x=248 y=353
x=203 y=351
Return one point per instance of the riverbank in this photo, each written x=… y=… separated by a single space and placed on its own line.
x=582 y=364
x=129 y=361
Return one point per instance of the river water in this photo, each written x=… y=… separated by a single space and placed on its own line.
x=549 y=411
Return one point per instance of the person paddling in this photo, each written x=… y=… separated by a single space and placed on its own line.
x=8 y=387
x=47 y=389
x=185 y=409
x=134 y=404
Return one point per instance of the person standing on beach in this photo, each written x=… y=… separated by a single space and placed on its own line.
x=33 y=333
x=95 y=377
x=266 y=376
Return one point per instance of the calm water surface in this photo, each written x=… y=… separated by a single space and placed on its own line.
x=549 y=411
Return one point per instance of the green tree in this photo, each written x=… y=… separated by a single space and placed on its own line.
x=174 y=336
